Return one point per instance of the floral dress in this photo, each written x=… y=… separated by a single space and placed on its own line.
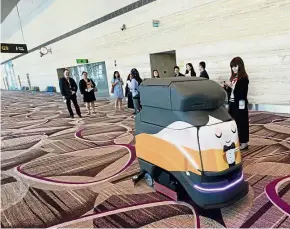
x=118 y=88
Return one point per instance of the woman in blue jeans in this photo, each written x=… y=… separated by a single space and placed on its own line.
x=135 y=82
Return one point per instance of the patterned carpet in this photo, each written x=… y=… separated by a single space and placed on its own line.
x=55 y=170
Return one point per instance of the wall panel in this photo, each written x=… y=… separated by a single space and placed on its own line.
x=213 y=30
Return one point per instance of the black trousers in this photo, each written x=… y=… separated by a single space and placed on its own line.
x=130 y=101
x=73 y=98
x=241 y=116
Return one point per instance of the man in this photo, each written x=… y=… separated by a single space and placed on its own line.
x=68 y=89
x=203 y=72
x=176 y=72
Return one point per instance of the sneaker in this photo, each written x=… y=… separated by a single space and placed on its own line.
x=80 y=116
x=244 y=146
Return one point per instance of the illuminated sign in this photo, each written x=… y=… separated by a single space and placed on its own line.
x=13 y=48
x=82 y=61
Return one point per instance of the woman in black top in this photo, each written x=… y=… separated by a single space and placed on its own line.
x=237 y=90
x=128 y=93
x=87 y=88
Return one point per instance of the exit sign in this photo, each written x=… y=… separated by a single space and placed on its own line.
x=82 y=61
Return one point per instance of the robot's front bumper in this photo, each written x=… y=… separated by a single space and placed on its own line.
x=218 y=194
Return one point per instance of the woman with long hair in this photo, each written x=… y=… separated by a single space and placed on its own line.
x=117 y=89
x=135 y=82
x=128 y=93
x=155 y=74
x=87 y=88
x=189 y=70
x=237 y=90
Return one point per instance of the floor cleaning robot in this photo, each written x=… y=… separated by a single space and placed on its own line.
x=187 y=143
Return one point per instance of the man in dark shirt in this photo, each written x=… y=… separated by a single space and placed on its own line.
x=68 y=89
x=176 y=72
x=203 y=72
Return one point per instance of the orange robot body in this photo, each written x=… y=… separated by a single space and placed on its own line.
x=187 y=141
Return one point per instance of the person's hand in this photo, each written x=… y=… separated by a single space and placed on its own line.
x=229 y=84
x=73 y=92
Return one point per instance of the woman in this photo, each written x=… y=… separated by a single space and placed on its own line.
x=87 y=88
x=135 y=82
x=237 y=88
x=128 y=92
x=117 y=89
x=189 y=70
x=155 y=74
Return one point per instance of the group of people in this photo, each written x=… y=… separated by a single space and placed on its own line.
x=131 y=91
x=69 y=88
x=236 y=88
x=188 y=73
x=190 y=70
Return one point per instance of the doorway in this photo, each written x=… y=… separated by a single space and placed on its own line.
x=96 y=71
x=164 y=63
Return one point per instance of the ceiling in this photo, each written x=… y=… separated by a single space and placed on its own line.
x=6 y=7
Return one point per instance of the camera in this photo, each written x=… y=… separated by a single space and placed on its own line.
x=123 y=27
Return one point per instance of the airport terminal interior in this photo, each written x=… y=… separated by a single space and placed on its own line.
x=145 y=113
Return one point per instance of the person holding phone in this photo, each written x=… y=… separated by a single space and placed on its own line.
x=237 y=89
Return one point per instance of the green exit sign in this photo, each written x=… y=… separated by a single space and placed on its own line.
x=82 y=61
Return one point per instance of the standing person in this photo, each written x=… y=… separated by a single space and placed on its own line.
x=238 y=101
x=68 y=89
x=135 y=82
x=203 y=72
x=117 y=89
x=176 y=72
x=189 y=70
x=128 y=93
x=155 y=74
x=87 y=88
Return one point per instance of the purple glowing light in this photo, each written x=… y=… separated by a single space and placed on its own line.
x=221 y=189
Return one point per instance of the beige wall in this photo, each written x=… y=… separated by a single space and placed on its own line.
x=214 y=31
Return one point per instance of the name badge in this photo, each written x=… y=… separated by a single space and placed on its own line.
x=242 y=104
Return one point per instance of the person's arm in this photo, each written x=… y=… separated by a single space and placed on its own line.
x=114 y=82
x=241 y=89
x=121 y=81
x=134 y=85
x=93 y=83
x=73 y=85
x=82 y=87
x=61 y=87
